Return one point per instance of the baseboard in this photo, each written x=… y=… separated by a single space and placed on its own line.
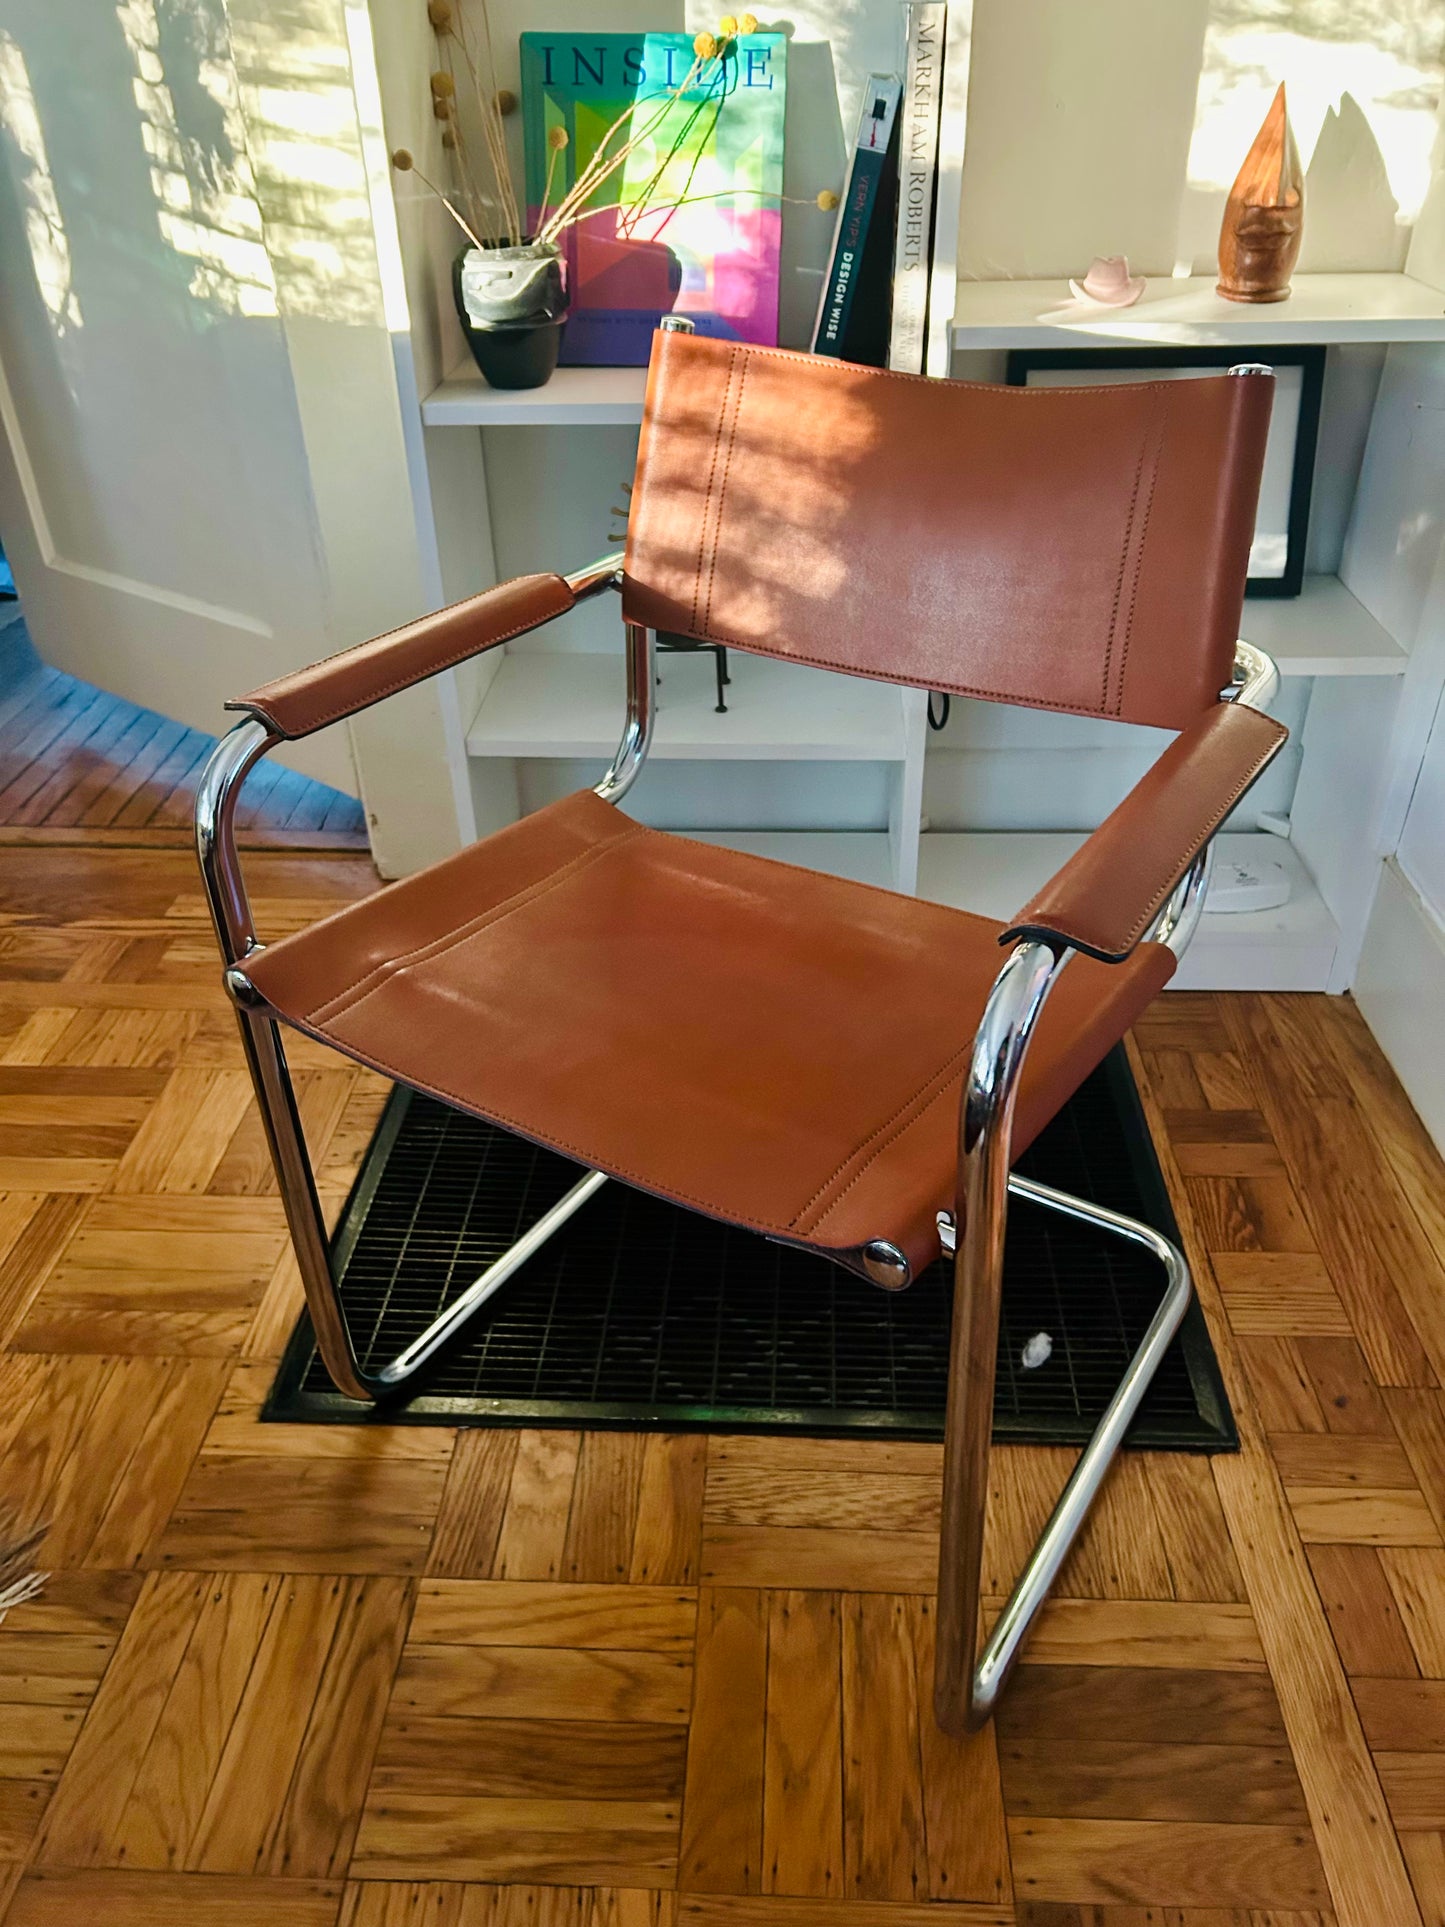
x=1400 y=988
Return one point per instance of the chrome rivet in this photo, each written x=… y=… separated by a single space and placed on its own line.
x=885 y=1264
x=242 y=990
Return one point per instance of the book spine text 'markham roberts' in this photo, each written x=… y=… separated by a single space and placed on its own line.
x=919 y=114
x=856 y=213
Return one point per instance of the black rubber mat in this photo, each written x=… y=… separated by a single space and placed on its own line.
x=641 y=1315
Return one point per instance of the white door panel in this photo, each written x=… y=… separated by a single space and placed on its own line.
x=154 y=490
x=1422 y=841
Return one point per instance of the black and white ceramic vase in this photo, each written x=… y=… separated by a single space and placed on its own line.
x=512 y=304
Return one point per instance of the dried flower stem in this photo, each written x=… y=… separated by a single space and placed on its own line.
x=492 y=118
x=603 y=166
x=553 y=156
x=483 y=75
x=638 y=123
x=481 y=200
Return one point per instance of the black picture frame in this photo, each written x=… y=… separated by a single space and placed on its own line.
x=1311 y=363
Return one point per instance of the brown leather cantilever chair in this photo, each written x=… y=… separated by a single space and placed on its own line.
x=835 y=1066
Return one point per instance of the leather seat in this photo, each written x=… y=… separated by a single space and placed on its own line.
x=774 y=1047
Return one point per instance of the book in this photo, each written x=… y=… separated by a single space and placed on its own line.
x=919 y=112
x=852 y=321
x=948 y=196
x=717 y=149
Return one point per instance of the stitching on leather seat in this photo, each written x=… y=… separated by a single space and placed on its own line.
x=748 y=1220
x=895 y=1126
x=343 y=1000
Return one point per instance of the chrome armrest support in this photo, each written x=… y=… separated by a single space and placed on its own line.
x=242 y=748
x=1256 y=677
x=217 y=793
x=604 y=573
x=1255 y=684
x=641 y=714
x=636 y=739
x=1177 y=922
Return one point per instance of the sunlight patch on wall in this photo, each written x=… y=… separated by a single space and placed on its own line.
x=44 y=226
x=1363 y=81
x=205 y=197
x=301 y=122
x=366 y=82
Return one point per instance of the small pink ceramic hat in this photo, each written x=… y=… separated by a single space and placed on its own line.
x=1108 y=283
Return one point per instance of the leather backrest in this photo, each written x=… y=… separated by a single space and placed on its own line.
x=1078 y=549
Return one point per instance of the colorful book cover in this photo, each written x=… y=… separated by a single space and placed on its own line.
x=711 y=161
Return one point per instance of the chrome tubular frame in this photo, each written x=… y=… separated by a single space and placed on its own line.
x=215 y=820
x=968 y=1681
x=637 y=730
x=1256 y=678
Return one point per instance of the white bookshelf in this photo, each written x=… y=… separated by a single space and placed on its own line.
x=601 y=396
x=567 y=704
x=1292 y=948
x=1324 y=631
x=1323 y=308
x=1187 y=313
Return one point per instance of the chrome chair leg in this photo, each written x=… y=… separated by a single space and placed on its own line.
x=216 y=797
x=276 y=1098
x=968 y=1683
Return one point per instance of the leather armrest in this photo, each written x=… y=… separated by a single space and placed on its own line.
x=1109 y=892
x=296 y=705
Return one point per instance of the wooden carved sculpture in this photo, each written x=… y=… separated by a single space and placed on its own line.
x=1259 y=241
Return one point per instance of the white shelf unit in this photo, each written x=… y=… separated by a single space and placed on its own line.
x=1187 y=313
x=1292 y=948
x=564 y=703
x=602 y=396
x=1322 y=309
x=542 y=701
x=1324 y=631
x=568 y=706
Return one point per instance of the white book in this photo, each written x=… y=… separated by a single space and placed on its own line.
x=948 y=189
x=919 y=112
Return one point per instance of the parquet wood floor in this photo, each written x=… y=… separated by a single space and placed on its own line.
x=335 y=1677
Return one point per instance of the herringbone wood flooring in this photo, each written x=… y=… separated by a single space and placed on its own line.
x=335 y=1677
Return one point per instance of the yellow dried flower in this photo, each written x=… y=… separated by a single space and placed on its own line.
x=556 y=139
x=449 y=136
x=442 y=86
x=727 y=26
x=402 y=161
x=441 y=107
x=748 y=23
x=827 y=200
x=439 y=12
x=506 y=102
x=704 y=46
